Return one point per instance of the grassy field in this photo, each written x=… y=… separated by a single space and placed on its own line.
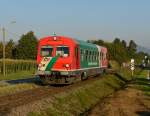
x=81 y=99
x=142 y=83
x=7 y=89
x=78 y=101
x=18 y=75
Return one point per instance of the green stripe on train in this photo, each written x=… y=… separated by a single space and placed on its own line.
x=51 y=63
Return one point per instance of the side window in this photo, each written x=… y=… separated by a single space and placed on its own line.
x=82 y=54
x=86 y=55
x=89 y=55
x=93 y=55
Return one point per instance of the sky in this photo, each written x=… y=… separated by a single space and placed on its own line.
x=82 y=19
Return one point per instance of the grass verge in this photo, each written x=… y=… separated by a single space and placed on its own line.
x=83 y=98
x=6 y=89
x=17 y=75
x=143 y=84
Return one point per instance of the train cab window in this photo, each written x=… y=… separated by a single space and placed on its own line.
x=46 y=51
x=63 y=51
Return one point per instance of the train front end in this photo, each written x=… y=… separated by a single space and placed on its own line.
x=55 y=60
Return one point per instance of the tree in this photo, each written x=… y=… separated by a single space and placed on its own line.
x=124 y=43
x=27 y=46
x=9 y=48
x=116 y=41
x=132 y=46
x=132 y=49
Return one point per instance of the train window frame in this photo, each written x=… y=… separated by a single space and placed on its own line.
x=44 y=47
x=62 y=52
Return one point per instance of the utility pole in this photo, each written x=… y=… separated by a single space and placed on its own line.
x=3 y=31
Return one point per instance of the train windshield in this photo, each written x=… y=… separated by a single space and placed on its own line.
x=63 y=51
x=46 y=51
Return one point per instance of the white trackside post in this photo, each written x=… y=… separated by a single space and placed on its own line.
x=132 y=66
x=148 y=75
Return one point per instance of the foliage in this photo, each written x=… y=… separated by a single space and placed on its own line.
x=119 y=51
x=25 y=49
x=9 y=48
x=27 y=46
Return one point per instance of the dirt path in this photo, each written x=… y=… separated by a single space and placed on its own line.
x=127 y=102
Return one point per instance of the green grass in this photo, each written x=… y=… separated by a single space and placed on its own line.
x=142 y=83
x=18 y=75
x=83 y=98
x=7 y=89
x=114 y=65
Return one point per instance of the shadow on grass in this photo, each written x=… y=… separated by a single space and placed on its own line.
x=121 y=77
x=143 y=113
x=142 y=84
x=142 y=81
x=58 y=85
x=112 y=86
x=35 y=80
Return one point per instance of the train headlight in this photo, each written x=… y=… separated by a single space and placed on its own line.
x=40 y=65
x=54 y=38
x=67 y=65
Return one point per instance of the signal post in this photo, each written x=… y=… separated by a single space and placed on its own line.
x=132 y=67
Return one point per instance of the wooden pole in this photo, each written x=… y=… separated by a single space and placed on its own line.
x=4 y=73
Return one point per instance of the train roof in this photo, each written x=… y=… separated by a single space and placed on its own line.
x=81 y=43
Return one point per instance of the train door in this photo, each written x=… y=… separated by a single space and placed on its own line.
x=77 y=57
x=104 y=61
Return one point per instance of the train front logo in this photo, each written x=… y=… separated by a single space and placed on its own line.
x=44 y=64
x=64 y=60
